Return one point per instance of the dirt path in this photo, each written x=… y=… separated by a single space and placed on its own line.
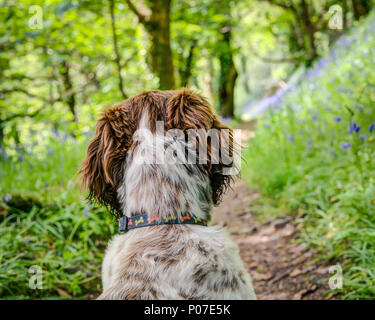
x=280 y=267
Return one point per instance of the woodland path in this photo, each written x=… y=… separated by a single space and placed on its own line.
x=280 y=265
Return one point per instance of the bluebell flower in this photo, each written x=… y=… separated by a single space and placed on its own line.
x=59 y=254
x=7 y=197
x=353 y=127
x=358 y=107
x=290 y=138
x=337 y=119
x=226 y=119
x=371 y=127
x=345 y=145
x=86 y=212
x=362 y=137
x=20 y=157
x=315 y=118
x=88 y=134
x=27 y=240
x=64 y=137
x=50 y=151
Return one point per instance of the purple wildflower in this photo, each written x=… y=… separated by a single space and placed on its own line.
x=354 y=127
x=226 y=119
x=27 y=240
x=358 y=107
x=371 y=127
x=345 y=145
x=362 y=137
x=64 y=137
x=59 y=254
x=290 y=138
x=337 y=119
x=86 y=212
x=7 y=197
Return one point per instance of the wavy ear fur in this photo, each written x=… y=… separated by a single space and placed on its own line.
x=188 y=110
x=103 y=167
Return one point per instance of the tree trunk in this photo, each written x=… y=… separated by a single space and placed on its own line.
x=1 y=138
x=115 y=48
x=186 y=72
x=228 y=76
x=245 y=74
x=157 y=26
x=310 y=31
x=69 y=94
x=160 y=50
x=361 y=8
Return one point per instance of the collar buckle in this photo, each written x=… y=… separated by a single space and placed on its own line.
x=123 y=224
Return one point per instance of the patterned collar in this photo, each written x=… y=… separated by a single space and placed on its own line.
x=143 y=220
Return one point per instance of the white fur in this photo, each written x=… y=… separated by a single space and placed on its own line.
x=208 y=250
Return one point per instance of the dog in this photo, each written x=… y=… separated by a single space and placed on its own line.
x=167 y=250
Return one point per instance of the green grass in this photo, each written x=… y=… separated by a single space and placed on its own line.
x=45 y=222
x=297 y=159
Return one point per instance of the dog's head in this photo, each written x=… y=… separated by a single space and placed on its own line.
x=117 y=141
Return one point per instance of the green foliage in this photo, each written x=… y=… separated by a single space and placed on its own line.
x=44 y=222
x=304 y=156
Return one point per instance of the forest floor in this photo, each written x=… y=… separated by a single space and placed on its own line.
x=281 y=266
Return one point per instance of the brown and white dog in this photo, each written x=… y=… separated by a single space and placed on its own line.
x=170 y=261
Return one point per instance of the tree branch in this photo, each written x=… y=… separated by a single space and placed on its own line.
x=271 y=60
x=22 y=114
x=142 y=18
x=24 y=91
x=115 y=47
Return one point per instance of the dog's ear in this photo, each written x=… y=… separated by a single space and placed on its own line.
x=187 y=110
x=221 y=171
x=102 y=169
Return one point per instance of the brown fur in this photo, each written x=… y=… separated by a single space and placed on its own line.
x=165 y=261
x=102 y=169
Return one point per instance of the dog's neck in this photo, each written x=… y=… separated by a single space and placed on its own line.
x=155 y=186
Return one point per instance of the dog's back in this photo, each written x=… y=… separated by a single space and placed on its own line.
x=175 y=262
